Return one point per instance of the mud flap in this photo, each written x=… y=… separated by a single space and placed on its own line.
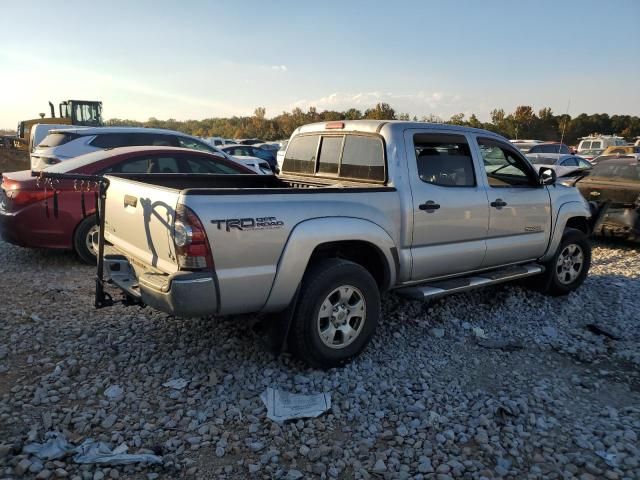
x=276 y=327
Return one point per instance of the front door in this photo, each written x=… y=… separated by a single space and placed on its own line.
x=520 y=208
x=450 y=208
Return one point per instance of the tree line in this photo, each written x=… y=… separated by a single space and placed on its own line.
x=523 y=123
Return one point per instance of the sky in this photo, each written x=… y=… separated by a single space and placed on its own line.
x=202 y=59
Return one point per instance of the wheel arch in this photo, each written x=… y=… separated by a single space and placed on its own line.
x=358 y=240
x=570 y=214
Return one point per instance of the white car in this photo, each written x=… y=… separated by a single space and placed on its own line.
x=562 y=163
x=62 y=144
x=40 y=130
x=525 y=145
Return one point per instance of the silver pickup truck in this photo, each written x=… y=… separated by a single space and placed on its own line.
x=360 y=208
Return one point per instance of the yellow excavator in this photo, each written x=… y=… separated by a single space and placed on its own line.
x=85 y=113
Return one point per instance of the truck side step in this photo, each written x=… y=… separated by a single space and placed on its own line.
x=445 y=287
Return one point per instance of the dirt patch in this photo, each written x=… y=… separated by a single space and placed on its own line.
x=13 y=160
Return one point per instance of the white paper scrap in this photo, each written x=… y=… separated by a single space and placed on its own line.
x=283 y=406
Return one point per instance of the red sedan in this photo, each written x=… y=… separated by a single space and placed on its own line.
x=63 y=217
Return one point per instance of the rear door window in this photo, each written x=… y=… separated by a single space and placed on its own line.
x=444 y=160
x=115 y=140
x=165 y=164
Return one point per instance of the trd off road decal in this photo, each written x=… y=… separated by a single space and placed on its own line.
x=260 y=223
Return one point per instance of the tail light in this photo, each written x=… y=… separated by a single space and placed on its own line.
x=15 y=198
x=190 y=238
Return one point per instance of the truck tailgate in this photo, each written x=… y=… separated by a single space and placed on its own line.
x=139 y=219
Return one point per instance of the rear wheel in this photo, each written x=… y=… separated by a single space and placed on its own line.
x=85 y=240
x=336 y=315
x=570 y=265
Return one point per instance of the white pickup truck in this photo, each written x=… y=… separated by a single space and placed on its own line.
x=361 y=207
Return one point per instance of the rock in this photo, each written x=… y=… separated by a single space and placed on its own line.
x=109 y=421
x=114 y=393
x=23 y=466
x=62 y=473
x=5 y=449
x=380 y=466
x=256 y=446
x=481 y=437
x=425 y=467
x=36 y=466
x=43 y=475
x=508 y=345
x=254 y=468
x=550 y=332
x=437 y=332
x=294 y=475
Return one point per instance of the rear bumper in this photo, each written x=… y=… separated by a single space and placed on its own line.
x=30 y=227
x=184 y=294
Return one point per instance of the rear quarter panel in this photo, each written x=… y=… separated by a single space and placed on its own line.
x=248 y=233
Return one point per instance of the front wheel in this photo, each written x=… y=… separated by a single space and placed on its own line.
x=336 y=315
x=569 y=266
x=85 y=240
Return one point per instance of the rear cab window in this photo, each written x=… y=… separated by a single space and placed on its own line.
x=350 y=156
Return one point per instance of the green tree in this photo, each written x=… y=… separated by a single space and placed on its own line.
x=382 y=111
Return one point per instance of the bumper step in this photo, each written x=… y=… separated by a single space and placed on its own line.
x=462 y=284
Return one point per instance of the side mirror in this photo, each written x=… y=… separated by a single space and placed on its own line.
x=547 y=176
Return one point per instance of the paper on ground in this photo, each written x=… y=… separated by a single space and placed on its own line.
x=56 y=446
x=283 y=406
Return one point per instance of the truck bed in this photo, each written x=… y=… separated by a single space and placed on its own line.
x=207 y=184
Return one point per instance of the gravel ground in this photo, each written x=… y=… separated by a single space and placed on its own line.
x=426 y=400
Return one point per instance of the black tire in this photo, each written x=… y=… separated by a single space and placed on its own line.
x=560 y=281
x=321 y=283
x=80 y=240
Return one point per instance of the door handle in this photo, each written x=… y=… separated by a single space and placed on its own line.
x=499 y=203
x=429 y=206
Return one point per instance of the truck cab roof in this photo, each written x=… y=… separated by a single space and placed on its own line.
x=378 y=126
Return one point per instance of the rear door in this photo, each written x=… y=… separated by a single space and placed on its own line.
x=450 y=208
x=520 y=208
